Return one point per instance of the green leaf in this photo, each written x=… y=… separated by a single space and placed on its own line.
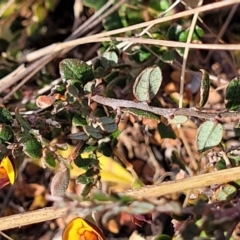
x=32 y=148
x=140 y=54
x=147 y=83
x=72 y=90
x=6 y=133
x=165 y=131
x=93 y=132
x=190 y=231
x=5 y=116
x=48 y=158
x=74 y=69
x=169 y=56
x=94 y=4
x=87 y=188
x=83 y=179
x=99 y=196
x=79 y=136
x=173 y=32
x=108 y=124
x=178 y=119
x=112 y=22
x=141 y=113
x=221 y=164
x=233 y=94
x=226 y=193
x=204 y=89
x=22 y=122
x=138 y=207
x=85 y=163
x=209 y=135
x=58 y=107
x=78 y=120
x=163 y=237
x=183 y=35
x=164 y=5
x=176 y=159
x=109 y=59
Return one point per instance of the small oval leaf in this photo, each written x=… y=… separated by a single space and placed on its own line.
x=93 y=132
x=178 y=119
x=204 y=89
x=232 y=94
x=209 y=135
x=60 y=183
x=74 y=69
x=33 y=148
x=147 y=83
x=109 y=59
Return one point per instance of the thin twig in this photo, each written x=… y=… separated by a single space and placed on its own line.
x=188 y=149
x=167 y=43
x=185 y=55
x=165 y=112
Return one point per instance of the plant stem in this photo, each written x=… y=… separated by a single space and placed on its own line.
x=165 y=112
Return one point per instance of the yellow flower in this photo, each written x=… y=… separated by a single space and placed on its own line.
x=7 y=172
x=80 y=229
x=4 y=179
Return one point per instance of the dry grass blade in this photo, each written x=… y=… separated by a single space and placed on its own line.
x=101 y=36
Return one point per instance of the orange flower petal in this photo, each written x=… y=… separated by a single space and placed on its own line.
x=6 y=163
x=4 y=179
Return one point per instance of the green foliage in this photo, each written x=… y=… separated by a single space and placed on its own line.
x=31 y=147
x=209 y=135
x=147 y=83
x=5 y=116
x=166 y=131
x=232 y=94
x=75 y=71
x=204 y=89
x=141 y=113
x=93 y=4
x=6 y=133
